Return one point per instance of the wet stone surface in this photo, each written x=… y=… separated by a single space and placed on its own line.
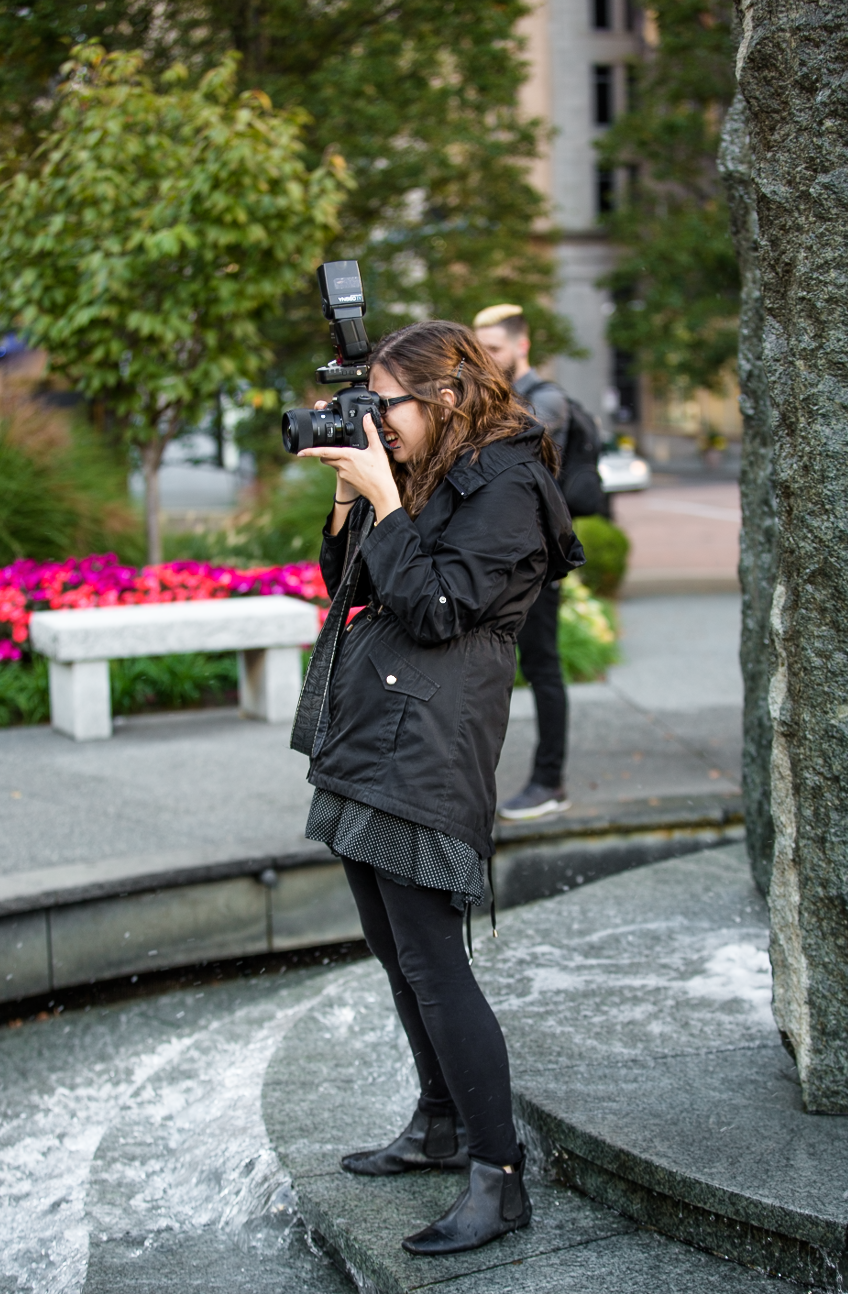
x=133 y=1155
x=172 y=1141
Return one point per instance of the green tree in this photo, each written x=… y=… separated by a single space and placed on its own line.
x=156 y=231
x=676 y=282
x=422 y=102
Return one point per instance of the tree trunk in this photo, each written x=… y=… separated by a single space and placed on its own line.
x=758 y=553
x=151 y=457
x=792 y=63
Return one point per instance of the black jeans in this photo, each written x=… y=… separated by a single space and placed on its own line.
x=537 y=643
x=456 y=1041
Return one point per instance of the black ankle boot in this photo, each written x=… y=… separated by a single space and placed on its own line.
x=430 y=1141
x=493 y=1203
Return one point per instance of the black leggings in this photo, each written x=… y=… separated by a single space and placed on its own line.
x=457 y=1044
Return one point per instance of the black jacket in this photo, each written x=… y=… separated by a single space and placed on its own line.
x=416 y=710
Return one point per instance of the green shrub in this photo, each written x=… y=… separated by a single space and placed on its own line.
x=173 y=682
x=606 y=549
x=59 y=498
x=586 y=633
x=24 y=692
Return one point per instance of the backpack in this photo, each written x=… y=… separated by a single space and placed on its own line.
x=580 y=445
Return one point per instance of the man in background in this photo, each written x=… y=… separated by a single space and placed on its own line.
x=503 y=331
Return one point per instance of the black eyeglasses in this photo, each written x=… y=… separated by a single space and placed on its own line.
x=384 y=403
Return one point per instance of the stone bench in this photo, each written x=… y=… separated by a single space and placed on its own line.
x=267 y=633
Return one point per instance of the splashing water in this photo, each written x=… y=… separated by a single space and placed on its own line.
x=160 y=1130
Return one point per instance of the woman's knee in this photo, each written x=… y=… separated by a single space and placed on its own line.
x=435 y=970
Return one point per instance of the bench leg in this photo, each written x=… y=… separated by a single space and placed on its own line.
x=80 y=704
x=269 y=683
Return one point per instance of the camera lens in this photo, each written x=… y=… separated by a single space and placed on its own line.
x=297 y=430
x=313 y=428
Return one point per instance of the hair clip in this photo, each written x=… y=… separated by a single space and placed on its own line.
x=459 y=369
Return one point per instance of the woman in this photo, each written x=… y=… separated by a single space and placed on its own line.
x=447 y=534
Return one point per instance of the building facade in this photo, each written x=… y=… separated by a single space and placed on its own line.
x=580 y=52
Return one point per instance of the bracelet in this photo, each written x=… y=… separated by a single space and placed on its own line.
x=344 y=503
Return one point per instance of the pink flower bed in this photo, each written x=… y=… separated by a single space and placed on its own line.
x=101 y=581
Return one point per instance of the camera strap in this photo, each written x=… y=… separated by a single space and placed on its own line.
x=311 y=717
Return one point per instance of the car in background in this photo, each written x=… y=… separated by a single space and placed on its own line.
x=622 y=470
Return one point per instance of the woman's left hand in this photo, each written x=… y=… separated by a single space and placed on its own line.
x=366 y=470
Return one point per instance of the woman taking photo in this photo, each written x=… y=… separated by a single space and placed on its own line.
x=445 y=536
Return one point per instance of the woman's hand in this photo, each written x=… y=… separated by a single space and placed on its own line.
x=360 y=471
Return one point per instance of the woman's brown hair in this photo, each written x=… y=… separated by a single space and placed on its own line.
x=427 y=358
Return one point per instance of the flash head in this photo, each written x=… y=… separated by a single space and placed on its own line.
x=343 y=303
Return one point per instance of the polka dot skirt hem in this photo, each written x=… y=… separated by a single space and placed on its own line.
x=415 y=854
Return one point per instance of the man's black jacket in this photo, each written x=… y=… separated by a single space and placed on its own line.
x=406 y=708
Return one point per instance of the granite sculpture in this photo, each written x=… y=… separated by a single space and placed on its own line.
x=791 y=67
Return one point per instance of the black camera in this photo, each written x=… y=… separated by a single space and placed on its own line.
x=340 y=424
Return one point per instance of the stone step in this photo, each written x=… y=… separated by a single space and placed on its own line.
x=80 y=922
x=342 y=1081
x=649 y=1062
x=648 y=1073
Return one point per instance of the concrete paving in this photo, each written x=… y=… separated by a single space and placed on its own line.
x=175 y=1140
x=181 y=840
x=667 y=721
x=190 y=789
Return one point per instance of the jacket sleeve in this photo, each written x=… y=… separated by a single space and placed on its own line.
x=550 y=406
x=332 y=558
x=334 y=550
x=441 y=596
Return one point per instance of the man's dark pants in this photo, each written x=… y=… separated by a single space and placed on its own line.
x=537 y=643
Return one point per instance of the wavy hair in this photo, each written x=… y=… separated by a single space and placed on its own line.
x=426 y=358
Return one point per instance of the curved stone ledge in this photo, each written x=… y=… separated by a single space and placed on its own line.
x=648 y=1072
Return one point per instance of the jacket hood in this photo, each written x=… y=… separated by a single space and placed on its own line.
x=468 y=474
x=565 y=551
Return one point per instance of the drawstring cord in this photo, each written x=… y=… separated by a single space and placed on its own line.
x=492 y=912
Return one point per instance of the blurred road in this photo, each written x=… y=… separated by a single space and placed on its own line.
x=684 y=537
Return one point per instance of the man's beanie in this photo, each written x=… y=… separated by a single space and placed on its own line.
x=494 y=315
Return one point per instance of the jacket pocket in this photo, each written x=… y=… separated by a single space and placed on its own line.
x=398 y=675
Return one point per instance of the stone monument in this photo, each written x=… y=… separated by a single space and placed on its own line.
x=793 y=229
x=758 y=552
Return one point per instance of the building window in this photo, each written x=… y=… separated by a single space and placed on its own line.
x=602 y=14
x=630 y=15
x=602 y=75
x=604 y=191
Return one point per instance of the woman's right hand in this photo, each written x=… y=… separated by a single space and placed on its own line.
x=344 y=493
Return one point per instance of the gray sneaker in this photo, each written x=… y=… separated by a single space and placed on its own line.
x=534 y=802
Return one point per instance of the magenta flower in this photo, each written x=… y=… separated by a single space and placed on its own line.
x=100 y=580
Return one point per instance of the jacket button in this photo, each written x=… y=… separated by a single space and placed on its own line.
x=443 y=599
x=390 y=678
